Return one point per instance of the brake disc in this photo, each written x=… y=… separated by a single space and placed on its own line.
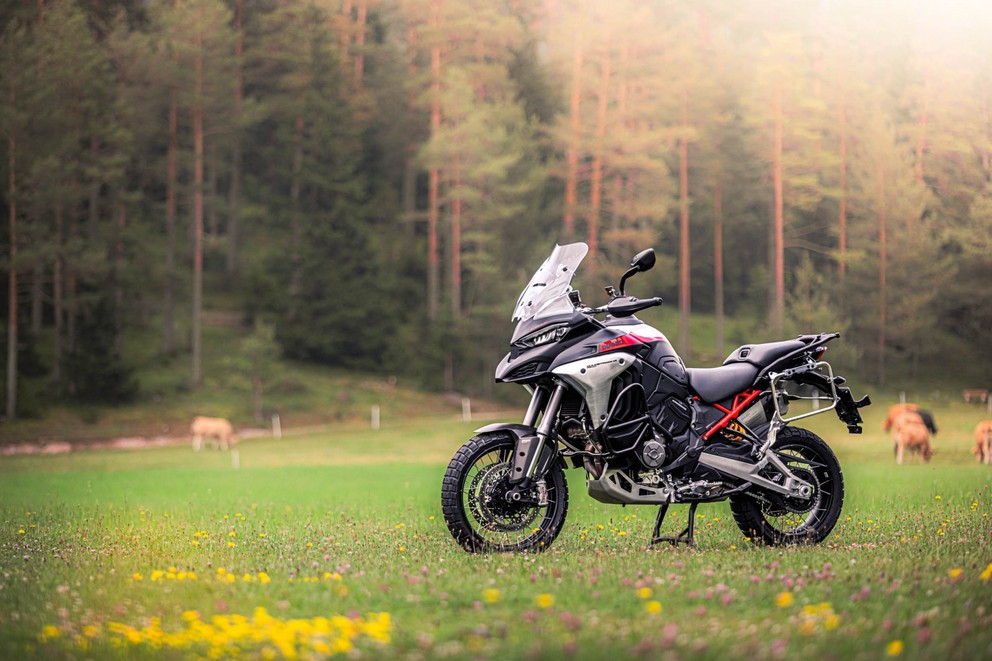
x=487 y=498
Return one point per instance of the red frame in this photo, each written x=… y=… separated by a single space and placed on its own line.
x=741 y=402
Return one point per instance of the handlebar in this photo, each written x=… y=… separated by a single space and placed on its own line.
x=623 y=306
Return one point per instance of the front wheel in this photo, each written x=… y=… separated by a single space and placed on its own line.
x=478 y=514
x=774 y=519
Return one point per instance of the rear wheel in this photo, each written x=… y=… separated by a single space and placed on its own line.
x=478 y=514
x=771 y=518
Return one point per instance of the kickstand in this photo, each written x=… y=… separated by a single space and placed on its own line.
x=684 y=537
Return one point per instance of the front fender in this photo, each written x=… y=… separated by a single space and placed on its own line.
x=527 y=444
x=516 y=429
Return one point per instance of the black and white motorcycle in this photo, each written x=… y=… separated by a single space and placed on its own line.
x=611 y=395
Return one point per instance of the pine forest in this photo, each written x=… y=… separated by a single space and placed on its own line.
x=372 y=182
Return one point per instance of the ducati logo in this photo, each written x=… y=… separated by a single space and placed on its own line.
x=612 y=344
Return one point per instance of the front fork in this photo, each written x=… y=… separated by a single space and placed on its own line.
x=534 y=453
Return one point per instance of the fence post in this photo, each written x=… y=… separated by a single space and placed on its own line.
x=276 y=426
x=375 y=416
x=466 y=409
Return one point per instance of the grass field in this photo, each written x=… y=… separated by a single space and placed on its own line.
x=334 y=543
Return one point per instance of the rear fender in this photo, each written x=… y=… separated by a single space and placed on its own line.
x=526 y=445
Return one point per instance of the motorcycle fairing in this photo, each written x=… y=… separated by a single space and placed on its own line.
x=593 y=378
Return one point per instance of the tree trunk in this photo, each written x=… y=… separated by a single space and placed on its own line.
x=596 y=185
x=12 y=284
x=718 y=265
x=171 y=168
x=234 y=186
x=57 y=303
x=778 y=303
x=842 y=211
x=360 y=43
x=572 y=156
x=882 y=275
x=197 y=377
x=37 y=297
x=434 y=177
x=456 y=247
x=296 y=231
x=685 y=256
x=921 y=140
x=119 y=281
x=345 y=36
x=409 y=185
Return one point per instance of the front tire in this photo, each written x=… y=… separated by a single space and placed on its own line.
x=777 y=520
x=476 y=511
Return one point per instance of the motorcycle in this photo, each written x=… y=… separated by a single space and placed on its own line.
x=613 y=397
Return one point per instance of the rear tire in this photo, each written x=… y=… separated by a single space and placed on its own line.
x=769 y=518
x=477 y=514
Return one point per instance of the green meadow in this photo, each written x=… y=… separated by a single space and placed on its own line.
x=332 y=543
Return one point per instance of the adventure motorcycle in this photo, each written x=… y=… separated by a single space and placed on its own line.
x=613 y=396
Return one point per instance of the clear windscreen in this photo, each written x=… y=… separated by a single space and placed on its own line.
x=547 y=292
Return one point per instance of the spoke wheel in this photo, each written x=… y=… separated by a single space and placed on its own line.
x=770 y=518
x=477 y=511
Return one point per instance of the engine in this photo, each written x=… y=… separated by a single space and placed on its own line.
x=629 y=436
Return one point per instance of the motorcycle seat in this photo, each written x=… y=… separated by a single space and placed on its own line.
x=763 y=355
x=715 y=384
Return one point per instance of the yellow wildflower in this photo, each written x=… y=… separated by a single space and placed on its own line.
x=895 y=647
x=783 y=599
x=491 y=595
x=645 y=593
x=544 y=600
x=653 y=607
x=48 y=632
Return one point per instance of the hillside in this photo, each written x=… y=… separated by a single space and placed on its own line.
x=301 y=395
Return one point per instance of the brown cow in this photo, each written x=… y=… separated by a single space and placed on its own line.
x=894 y=412
x=896 y=409
x=909 y=432
x=983 y=442
x=218 y=430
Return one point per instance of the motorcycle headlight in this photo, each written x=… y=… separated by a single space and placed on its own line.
x=543 y=336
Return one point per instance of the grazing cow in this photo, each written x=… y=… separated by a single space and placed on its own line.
x=218 y=430
x=983 y=442
x=909 y=432
x=896 y=409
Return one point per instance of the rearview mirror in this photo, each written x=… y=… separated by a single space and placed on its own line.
x=644 y=260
